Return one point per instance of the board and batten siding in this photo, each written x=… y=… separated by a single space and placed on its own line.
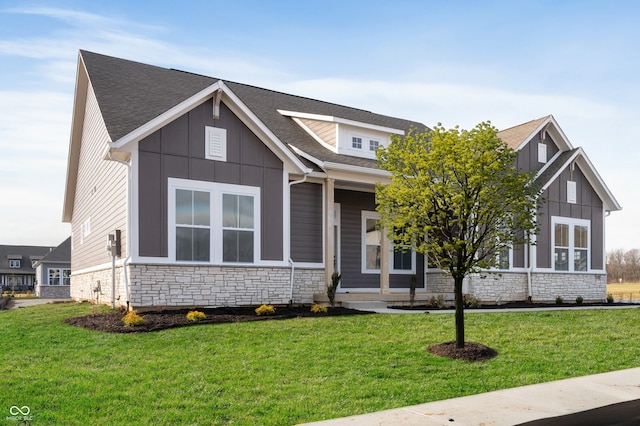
x=588 y=206
x=101 y=194
x=306 y=223
x=178 y=151
x=325 y=131
x=527 y=159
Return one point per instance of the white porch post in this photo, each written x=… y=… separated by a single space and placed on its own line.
x=329 y=243
x=384 y=262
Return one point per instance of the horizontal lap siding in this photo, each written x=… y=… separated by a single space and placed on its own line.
x=101 y=193
x=306 y=223
x=177 y=150
x=325 y=131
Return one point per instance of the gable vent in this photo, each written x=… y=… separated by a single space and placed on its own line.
x=215 y=143
x=572 y=193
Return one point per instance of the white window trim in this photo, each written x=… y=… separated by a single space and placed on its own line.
x=571 y=222
x=61 y=275
x=14 y=263
x=216 y=191
x=363 y=250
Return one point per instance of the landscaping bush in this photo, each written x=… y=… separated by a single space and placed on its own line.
x=579 y=300
x=471 y=301
x=132 y=319
x=609 y=298
x=195 y=316
x=437 y=302
x=265 y=310
x=331 y=290
x=559 y=300
x=318 y=309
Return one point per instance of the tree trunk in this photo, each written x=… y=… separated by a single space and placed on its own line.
x=457 y=290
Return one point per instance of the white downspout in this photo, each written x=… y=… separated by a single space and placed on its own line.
x=127 y=286
x=293 y=268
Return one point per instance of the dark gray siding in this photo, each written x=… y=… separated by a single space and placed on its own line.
x=177 y=150
x=352 y=203
x=528 y=156
x=306 y=223
x=588 y=206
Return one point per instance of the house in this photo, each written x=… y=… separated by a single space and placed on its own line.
x=187 y=190
x=53 y=273
x=17 y=267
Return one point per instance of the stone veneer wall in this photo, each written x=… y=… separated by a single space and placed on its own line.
x=52 y=291
x=176 y=286
x=512 y=287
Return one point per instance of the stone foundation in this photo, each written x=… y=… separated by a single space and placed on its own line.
x=154 y=286
x=53 y=291
x=513 y=287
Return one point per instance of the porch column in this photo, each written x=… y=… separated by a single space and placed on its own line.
x=329 y=240
x=384 y=262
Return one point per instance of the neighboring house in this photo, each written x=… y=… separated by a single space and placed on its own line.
x=219 y=193
x=53 y=272
x=17 y=267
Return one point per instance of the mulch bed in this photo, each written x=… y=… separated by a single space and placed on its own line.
x=471 y=352
x=159 y=320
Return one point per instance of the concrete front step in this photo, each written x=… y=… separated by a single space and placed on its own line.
x=364 y=305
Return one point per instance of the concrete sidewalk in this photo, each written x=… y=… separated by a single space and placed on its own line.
x=24 y=303
x=523 y=404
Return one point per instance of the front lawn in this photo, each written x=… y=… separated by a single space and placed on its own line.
x=288 y=371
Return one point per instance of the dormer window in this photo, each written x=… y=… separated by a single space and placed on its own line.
x=14 y=263
x=373 y=145
x=356 y=142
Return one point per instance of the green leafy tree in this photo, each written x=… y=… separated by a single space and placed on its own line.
x=457 y=197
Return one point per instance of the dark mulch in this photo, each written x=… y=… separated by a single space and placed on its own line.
x=159 y=320
x=511 y=305
x=471 y=351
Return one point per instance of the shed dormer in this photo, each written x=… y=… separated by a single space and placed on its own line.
x=343 y=136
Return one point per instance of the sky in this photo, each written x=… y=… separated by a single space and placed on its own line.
x=452 y=62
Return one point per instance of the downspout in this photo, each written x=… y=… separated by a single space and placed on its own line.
x=127 y=285
x=293 y=268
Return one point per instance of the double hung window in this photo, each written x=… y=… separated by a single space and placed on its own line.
x=213 y=222
x=59 y=276
x=570 y=244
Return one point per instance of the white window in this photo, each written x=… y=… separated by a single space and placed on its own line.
x=570 y=244
x=59 y=276
x=503 y=258
x=402 y=260
x=373 y=145
x=213 y=222
x=14 y=263
x=542 y=153
x=356 y=142
x=215 y=143
x=572 y=193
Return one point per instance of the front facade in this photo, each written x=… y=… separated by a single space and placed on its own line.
x=215 y=193
x=18 y=267
x=53 y=273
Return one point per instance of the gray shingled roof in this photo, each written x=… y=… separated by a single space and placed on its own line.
x=131 y=94
x=60 y=254
x=25 y=253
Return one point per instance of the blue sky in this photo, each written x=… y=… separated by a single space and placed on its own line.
x=454 y=62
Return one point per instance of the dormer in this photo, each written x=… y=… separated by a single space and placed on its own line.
x=343 y=136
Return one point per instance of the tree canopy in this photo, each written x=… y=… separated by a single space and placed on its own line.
x=456 y=196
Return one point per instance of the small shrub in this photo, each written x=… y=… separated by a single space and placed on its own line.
x=265 y=310
x=609 y=298
x=195 y=316
x=471 y=301
x=559 y=300
x=132 y=319
x=331 y=290
x=437 y=302
x=579 y=300
x=318 y=309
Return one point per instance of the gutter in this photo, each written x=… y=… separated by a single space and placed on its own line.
x=127 y=284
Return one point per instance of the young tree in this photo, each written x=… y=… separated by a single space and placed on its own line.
x=457 y=197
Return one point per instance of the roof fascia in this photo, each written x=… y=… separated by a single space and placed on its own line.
x=257 y=126
x=339 y=120
x=593 y=177
x=554 y=130
x=166 y=117
x=77 y=120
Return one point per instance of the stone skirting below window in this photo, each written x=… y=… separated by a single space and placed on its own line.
x=52 y=291
x=511 y=286
x=186 y=286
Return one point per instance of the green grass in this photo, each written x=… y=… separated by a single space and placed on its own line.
x=288 y=371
